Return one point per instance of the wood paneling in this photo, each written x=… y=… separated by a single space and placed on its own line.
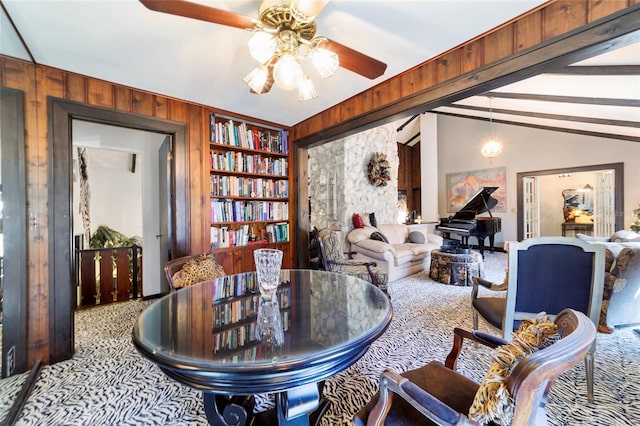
x=560 y=31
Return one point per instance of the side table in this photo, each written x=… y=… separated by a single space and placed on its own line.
x=455 y=268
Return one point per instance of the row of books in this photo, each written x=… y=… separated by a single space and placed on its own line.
x=237 y=186
x=247 y=163
x=237 y=134
x=248 y=211
x=238 y=337
x=223 y=236
x=277 y=232
x=238 y=310
x=235 y=285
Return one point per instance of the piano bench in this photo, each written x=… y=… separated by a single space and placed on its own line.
x=455 y=268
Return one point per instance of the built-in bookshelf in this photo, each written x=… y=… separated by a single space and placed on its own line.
x=249 y=190
x=235 y=314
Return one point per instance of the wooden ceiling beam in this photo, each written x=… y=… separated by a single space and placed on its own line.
x=600 y=70
x=565 y=99
x=551 y=37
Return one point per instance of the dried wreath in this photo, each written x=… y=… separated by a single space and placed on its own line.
x=379 y=171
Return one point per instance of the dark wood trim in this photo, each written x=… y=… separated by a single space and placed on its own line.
x=565 y=99
x=599 y=70
x=14 y=230
x=613 y=31
x=561 y=117
x=15 y=409
x=550 y=128
x=403 y=125
x=18 y=34
x=62 y=291
x=618 y=192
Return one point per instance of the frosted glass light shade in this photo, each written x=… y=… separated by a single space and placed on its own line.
x=258 y=79
x=287 y=72
x=262 y=46
x=306 y=89
x=325 y=61
x=491 y=149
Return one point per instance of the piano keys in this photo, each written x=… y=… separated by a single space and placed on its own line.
x=466 y=222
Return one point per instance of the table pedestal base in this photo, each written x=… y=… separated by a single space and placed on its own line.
x=300 y=406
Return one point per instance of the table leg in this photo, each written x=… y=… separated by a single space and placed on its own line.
x=224 y=410
x=295 y=405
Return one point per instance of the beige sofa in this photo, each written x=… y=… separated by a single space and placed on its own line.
x=621 y=295
x=398 y=257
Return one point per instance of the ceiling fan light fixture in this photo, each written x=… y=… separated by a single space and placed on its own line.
x=325 y=61
x=262 y=46
x=306 y=89
x=287 y=72
x=259 y=80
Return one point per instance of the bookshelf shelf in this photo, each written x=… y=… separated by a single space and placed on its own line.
x=249 y=191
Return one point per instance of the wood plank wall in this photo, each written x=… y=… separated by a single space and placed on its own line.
x=399 y=94
x=393 y=96
x=38 y=83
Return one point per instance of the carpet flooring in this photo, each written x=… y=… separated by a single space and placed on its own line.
x=108 y=383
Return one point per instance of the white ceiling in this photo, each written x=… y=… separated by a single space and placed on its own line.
x=124 y=42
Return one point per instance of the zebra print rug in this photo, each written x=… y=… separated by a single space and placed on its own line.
x=108 y=383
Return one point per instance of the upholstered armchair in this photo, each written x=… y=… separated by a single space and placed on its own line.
x=334 y=259
x=188 y=270
x=546 y=274
x=513 y=392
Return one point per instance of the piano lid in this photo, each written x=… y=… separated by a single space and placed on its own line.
x=481 y=202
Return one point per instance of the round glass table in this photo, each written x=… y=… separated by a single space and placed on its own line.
x=223 y=338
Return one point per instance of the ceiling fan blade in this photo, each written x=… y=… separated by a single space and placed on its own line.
x=200 y=12
x=310 y=7
x=356 y=61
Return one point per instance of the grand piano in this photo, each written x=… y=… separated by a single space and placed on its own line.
x=466 y=223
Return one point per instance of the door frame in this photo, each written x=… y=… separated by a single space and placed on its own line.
x=14 y=309
x=618 y=168
x=61 y=283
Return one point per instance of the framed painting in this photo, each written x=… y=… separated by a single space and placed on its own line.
x=462 y=186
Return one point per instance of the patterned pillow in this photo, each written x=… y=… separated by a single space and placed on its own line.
x=365 y=219
x=196 y=270
x=379 y=237
x=493 y=402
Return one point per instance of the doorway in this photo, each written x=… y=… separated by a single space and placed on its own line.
x=607 y=201
x=124 y=188
x=62 y=290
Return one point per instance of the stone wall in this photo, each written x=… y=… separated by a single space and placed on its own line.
x=338 y=184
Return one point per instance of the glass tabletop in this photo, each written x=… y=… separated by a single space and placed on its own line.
x=316 y=318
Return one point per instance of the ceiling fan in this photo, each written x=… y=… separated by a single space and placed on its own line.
x=285 y=32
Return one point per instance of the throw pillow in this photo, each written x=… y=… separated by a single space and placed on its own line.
x=365 y=219
x=416 y=237
x=357 y=221
x=493 y=402
x=623 y=236
x=379 y=237
x=372 y=220
x=202 y=268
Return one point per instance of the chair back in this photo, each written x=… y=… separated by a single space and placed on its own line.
x=330 y=248
x=531 y=379
x=204 y=267
x=550 y=274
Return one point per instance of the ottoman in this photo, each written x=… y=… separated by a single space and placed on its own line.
x=455 y=268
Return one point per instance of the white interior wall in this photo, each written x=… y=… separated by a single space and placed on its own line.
x=118 y=203
x=528 y=149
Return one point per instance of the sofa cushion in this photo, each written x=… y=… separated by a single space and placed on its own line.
x=627 y=263
x=395 y=233
x=372 y=220
x=416 y=237
x=378 y=236
x=403 y=254
x=623 y=236
x=357 y=221
x=358 y=234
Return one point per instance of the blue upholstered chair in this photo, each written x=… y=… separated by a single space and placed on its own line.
x=546 y=274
